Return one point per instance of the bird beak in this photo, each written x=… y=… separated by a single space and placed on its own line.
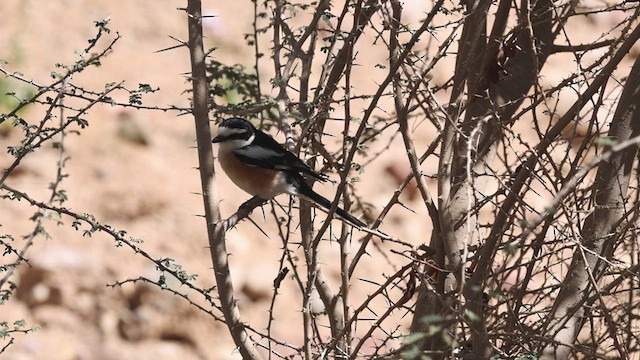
x=217 y=139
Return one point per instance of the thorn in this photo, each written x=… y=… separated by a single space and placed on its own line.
x=169 y=48
x=406 y=207
x=259 y=228
x=178 y=40
x=181 y=43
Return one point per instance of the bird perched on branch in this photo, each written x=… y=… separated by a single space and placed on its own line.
x=257 y=164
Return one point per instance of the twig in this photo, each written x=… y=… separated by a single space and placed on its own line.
x=118 y=236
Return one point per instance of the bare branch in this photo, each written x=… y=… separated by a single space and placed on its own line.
x=219 y=255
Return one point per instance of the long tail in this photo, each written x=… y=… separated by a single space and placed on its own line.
x=325 y=203
x=308 y=193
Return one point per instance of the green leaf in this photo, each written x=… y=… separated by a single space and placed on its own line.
x=413 y=338
x=471 y=315
x=607 y=141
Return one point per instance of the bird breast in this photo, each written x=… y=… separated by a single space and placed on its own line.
x=264 y=183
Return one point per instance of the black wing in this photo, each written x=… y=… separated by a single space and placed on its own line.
x=271 y=155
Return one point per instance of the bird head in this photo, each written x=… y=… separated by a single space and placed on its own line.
x=235 y=133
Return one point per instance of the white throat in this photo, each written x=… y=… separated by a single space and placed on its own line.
x=230 y=145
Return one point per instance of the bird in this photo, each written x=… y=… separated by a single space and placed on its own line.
x=260 y=166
